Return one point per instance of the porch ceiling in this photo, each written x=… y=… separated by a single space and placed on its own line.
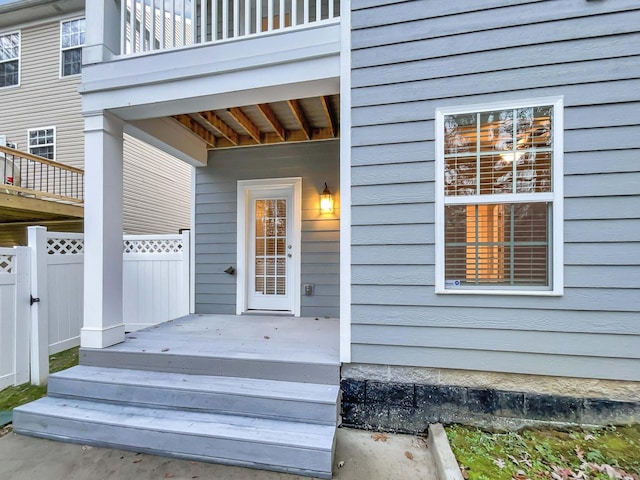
x=297 y=120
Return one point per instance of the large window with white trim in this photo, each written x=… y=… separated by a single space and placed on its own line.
x=499 y=206
x=9 y=59
x=72 y=38
x=42 y=142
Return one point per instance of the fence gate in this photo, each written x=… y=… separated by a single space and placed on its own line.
x=14 y=316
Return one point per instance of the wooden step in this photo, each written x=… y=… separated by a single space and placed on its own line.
x=289 y=401
x=291 y=447
x=236 y=365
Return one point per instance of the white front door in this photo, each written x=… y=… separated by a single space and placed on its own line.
x=272 y=245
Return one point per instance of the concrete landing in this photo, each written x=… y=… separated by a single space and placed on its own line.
x=392 y=457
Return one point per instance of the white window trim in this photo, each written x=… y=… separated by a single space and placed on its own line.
x=55 y=152
x=60 y=67
x=19 y=32
x=556 y=262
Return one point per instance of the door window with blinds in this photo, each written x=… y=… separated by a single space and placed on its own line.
x=500 y=198
x=271 y=247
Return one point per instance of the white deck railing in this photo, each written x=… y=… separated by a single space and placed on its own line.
x=149 y=25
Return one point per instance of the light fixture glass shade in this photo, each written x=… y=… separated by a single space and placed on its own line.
x=326 y=200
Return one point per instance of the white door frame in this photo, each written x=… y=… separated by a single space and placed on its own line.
x=244 y=188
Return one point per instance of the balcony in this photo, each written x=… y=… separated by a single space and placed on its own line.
x=37 y=191
x=148 y=26
x=153 y=59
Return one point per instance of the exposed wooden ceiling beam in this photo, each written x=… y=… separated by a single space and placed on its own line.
x=297 y=111
x=330 y=114
x=218 y=125
x=268 y=114
x=245 y=122
x=196 y=129
x=271 y=137
x=300 y=136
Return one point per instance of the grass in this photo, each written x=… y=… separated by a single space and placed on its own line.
x=589 y=454
x=12 y=397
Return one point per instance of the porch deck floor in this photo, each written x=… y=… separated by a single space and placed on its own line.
x=312 y=340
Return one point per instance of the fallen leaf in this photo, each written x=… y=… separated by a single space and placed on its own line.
x=409 y=455
x=86 y=447
x=579 y=454
x=137 y=460
x=609 y=470
x=266 y=337
x=168 y=475
x=589 y=436
x=380 y=437
x=514 y=460
x=341 y=464
x=418 y=442
x=165 y=349
x=499 y=462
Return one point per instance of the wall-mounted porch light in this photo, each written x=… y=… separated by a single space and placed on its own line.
x=326 y=200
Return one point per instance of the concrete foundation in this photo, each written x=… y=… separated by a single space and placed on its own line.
x=409 y=399
x=578 y=387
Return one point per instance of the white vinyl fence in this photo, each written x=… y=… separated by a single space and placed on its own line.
x=14 y=316
x=41 y=295
x=155 y=279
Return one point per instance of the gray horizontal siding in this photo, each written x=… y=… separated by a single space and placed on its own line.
x=410 y=58
x=499 y=318
x=520 y=79
x=618 y=368
x=416 y=21
x=216 y=221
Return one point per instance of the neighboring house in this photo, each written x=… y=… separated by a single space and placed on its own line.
x=41 y=113
x=483 y=248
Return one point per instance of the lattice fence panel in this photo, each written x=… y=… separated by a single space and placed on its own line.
x=153 y=246
x=65 y=246
x=6 y=263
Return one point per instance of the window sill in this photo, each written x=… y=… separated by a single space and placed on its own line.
x=531 y=293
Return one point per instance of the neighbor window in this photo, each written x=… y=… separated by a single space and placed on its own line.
x=71 y=42
x=500 y=198
x=9 y=59
x=42 y=142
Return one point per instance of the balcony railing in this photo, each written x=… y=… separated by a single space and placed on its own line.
x=150 y=25
x=31 y=176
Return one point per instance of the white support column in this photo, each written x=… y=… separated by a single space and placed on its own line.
x=103 y=319
x=103 y=31
x=345 y=183
x=39 y=350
